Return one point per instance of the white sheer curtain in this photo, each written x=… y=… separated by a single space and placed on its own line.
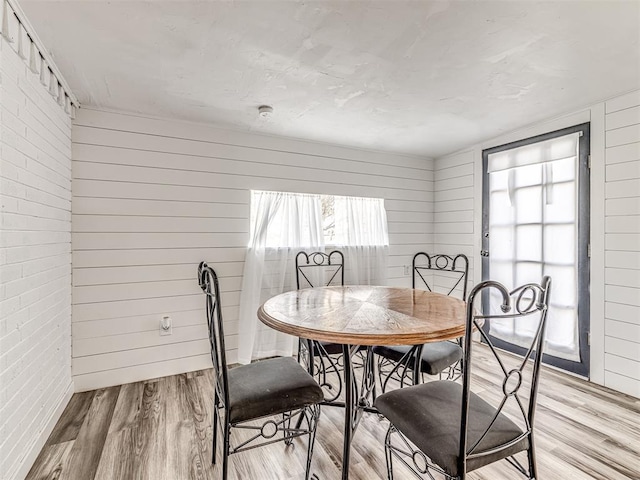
x=533 y=232
x=361 y=234
x=277 y=219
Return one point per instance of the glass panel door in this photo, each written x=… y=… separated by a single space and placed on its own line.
x=535 y=223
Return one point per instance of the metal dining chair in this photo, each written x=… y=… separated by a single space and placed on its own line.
x=439 y=358
x=444 y=427
x=322 y=359
x=272 y=392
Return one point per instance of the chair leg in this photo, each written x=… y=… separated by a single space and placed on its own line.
x=298 y=423
x=312 y=421
x=379 y=370
x=215 y=429
x=374 y=391
x=225 y=450
x=310 y=369
x=286 y=427
x=388 y=454
x=371 y=368
x=531 y=454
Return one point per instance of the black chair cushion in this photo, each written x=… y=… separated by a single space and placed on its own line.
x=330 y=348
x=430 y=415
x=436 y=357
x=270 y=387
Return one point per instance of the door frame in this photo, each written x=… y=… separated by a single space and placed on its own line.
x=583 y=254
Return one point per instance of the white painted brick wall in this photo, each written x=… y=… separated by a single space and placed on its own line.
x=35 y=263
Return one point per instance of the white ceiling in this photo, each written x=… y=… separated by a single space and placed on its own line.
x=425 y=77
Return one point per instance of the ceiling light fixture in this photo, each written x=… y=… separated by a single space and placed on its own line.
x=265 y=111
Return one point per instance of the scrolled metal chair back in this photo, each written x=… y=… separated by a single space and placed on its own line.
x=455 y=267
x=208 y=281
x=305 y=262
x=527 y=301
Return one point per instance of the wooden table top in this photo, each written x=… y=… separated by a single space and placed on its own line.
x=366 y=315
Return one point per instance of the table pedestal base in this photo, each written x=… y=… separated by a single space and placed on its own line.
x=358 y=398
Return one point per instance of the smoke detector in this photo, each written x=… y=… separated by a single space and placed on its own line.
x=265 y=111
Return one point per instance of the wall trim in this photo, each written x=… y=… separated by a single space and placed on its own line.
x=138 y=373
x=597 y=240
x=42 y=50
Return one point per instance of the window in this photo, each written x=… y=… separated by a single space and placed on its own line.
x=328 y=203
x=305 y=220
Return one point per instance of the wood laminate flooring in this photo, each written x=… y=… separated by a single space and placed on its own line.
x=161 y=430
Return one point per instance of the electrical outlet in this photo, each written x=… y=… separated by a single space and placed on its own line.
x=406 y=270
x=166 y=326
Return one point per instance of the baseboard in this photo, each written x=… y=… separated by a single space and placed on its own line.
x=36 y=446
x=138 y=373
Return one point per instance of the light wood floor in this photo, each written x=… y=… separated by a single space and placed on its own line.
x=161 y=430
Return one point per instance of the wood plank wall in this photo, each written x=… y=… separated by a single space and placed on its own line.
x=622 y=244
x=152 y=197
x=454 y=211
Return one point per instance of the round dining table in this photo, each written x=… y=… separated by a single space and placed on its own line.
x=356 y=316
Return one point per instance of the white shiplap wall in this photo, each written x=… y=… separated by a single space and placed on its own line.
x=153 y=197
x=622 y=244
x=35 y=263
x=454 y=229
x=615 y=227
